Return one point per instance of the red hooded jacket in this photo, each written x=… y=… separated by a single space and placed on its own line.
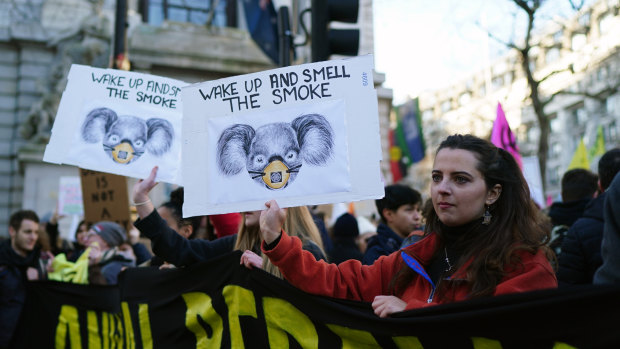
x=354 y=281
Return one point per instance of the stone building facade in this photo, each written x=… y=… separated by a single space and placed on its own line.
x=40 y=39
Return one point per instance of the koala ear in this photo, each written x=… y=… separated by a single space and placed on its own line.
x=233 y=148
x=160 y=136
x=315 y=137
x=97 y=123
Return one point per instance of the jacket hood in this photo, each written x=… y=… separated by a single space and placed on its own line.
x=385 y=238
x=566 y=213
x=594 y=209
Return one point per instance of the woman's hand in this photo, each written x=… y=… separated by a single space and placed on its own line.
x=251 y=260
x=271 y=221
x=387 y=305
x=141 y=191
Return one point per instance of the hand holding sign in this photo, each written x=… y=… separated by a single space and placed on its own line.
x=271 y=221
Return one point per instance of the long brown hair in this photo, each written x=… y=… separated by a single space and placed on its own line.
x=516 y=224
x=298 y=223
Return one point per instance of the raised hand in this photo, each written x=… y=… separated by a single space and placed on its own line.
x=271 y=221
x=141 y=191
x=386 y=305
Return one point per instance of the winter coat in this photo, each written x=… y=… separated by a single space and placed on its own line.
x=354 y=281
x=581 y=247
x=384 y=243
x=609 y=272
x=13 y=287
x=175 y=249
x=344 y=249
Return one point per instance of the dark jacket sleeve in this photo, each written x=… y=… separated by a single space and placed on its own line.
x=580 y=254
x=609 y=272
x=141 y=252
x=175 y=249
x=313 y=248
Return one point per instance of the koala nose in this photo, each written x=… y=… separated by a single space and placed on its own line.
x=125 y=140
x=276 y=158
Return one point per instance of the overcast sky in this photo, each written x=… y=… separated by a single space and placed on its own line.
x=423 y=44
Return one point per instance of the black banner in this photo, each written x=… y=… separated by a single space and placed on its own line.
x=220 y=304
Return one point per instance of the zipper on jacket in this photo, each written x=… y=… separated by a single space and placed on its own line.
x=431 y=295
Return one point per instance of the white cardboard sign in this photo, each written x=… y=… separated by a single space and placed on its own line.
x=303 y=135
x=119 y=122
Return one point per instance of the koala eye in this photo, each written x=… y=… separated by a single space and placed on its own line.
x=139 y=143
x=114 y=139
x=291 y=155
x=259 y=160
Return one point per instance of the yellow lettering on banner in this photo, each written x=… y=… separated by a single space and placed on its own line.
x=68 y=319
x=199 y=305
x=105 y=329
x=407 y=342
x=94 y=341
x=240 y=302
x=129 y=339
x=119 y=331
x=145 y=326
x=281 y=318
x=485 y=343
x=560 y=345
x=354 y=338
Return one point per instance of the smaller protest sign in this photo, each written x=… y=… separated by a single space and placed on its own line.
x=70 y=196
x=105 y=198
x=118 y=122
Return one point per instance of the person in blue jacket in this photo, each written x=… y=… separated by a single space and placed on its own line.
x=400 y=211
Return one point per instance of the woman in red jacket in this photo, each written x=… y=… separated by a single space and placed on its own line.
x=483 y=238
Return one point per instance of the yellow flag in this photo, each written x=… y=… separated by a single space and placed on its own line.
x=598 y=148
x=580 y=158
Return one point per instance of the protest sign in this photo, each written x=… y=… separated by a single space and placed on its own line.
x=230 y=306
x=105 y=198
x=306 y=134
x=119 y=122
x=70 y=196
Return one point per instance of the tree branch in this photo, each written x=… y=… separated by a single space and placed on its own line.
x=570 y=69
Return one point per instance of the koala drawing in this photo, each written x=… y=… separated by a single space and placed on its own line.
x=274 y=153
x=125 y=138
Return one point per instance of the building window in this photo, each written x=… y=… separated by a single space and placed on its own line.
x=584 y=20
x=446 y=106
x=464 y=98
x=578 y=115
x=497 y=82
x=578 y=41
x=552 y=55
x=191 y=11
x=553 y=176
x=555 y=124
x=611 y=133
x=532 y=134
x=427 y=115
x=557 y=36
x=611 y=104
x=555 y=150
x=604 y=23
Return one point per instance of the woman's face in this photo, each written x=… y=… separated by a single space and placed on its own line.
x=252 y=218
x=81 y=234
x=458 y=190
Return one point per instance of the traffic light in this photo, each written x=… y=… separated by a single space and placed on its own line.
x=327 y=41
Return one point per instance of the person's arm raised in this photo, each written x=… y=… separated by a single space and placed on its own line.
x=271 y=221
x=141 y=191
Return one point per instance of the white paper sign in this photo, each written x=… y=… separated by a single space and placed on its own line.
x=303 y=135
x=119 y=122
x=70 y=196
x=531 y=172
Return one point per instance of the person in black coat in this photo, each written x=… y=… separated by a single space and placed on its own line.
x=609 y=272
x=581 y=249
x=344 y=233
x=20 y=260
x=579 y=187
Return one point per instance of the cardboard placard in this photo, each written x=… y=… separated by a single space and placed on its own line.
x=105 y=198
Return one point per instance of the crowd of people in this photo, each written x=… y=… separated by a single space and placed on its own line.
x=478 y=234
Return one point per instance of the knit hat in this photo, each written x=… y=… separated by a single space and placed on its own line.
x=112 y=233
x=346 y=226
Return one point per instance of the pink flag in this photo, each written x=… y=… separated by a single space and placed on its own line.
x=502 y=136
